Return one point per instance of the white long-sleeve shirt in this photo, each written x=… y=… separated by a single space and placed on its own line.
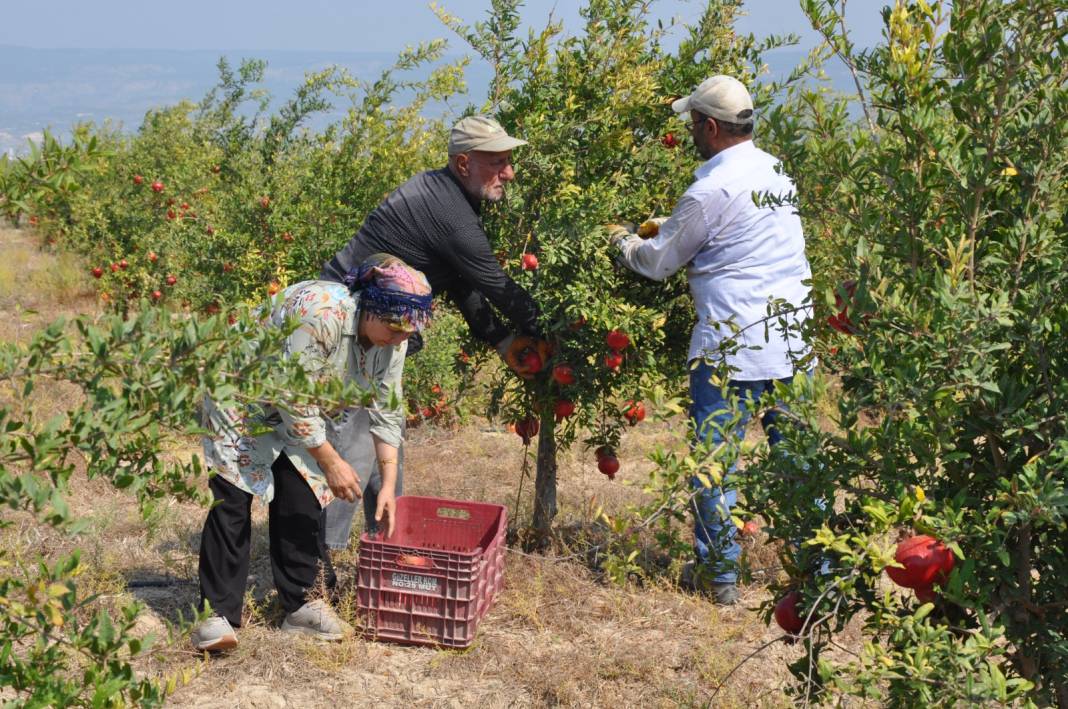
x=737 y=255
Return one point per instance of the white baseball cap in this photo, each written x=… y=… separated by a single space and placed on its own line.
x=722 y=97
x=480 y=133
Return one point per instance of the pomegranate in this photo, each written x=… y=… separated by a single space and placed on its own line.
x=527 y=428
x=613 y=360
x=531 y=361
x=926 y=561
x=564 y=374
x=926 y=594
x=608 y=465
x=563 y=409
x=634 y=412
x=617 y=340
x=530 y=262
x=787 y=614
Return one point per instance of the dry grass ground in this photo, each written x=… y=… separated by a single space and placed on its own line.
x=558 y=634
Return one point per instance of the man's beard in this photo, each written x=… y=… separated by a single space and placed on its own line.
x=486 y=194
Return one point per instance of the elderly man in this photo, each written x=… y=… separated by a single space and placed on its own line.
x=433 y=223
x=738 y=254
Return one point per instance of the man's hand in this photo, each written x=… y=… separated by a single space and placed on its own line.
x=524 y=355
x=619 y=232
x=342 y=479
x=387 y=507
x=650 y=227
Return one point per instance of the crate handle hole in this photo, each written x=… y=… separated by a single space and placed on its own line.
x=453 y=513
x=420 y=562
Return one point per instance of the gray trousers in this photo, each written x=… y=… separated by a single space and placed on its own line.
x=351 y=437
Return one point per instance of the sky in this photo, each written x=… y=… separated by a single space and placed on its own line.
x=97 y=60
x=335 y=25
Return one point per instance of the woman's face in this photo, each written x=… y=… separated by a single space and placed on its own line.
x=380 y=333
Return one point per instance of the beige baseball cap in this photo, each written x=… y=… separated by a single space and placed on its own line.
x=722 y=97
x=480 y=133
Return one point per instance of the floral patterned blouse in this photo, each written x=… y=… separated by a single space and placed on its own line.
x=327 y=344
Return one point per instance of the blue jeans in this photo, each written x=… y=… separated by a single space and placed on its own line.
x=714 y=540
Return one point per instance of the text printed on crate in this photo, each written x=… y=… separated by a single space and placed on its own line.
x=414 y=582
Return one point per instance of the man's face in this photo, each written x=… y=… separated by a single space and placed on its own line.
x=487 y=174
x=703 y=129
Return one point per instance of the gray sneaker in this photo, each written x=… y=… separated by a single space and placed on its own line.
x=699 y=579
x=214 y=635
x=317 y=619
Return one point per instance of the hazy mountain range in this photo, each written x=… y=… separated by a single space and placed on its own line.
x=56 y=88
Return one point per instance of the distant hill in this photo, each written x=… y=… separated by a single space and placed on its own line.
x=56 y=88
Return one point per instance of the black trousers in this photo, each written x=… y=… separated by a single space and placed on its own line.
x=297 y=532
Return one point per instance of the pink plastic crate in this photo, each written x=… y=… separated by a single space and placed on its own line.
x=440 y=572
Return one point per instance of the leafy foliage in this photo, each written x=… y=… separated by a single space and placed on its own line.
x=140 y=381
x=943 y=200
x=594 y=108
x=948 y=422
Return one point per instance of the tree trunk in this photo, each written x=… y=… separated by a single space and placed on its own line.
x=545 y=482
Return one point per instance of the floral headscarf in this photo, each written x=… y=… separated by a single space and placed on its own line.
x=393 y=291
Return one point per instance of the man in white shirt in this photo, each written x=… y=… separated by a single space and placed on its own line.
x=738 y=254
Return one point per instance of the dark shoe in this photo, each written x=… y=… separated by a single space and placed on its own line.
x=699 y=578
x=724 y=594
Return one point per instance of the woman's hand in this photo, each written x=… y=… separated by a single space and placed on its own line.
x=387 y=506
x=388 y=456
x=342 y=479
